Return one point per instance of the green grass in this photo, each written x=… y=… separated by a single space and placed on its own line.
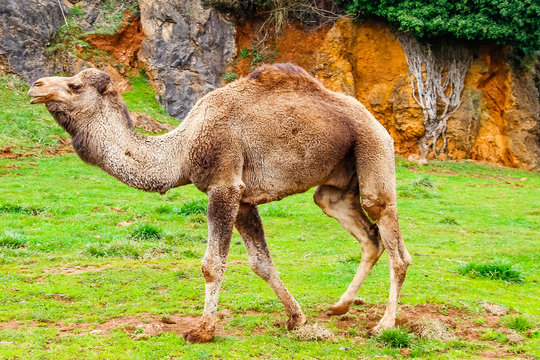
x=146 y=232
x=492 y=270
x=25 y=128
x=79 y=249
x=396 y=338
x=142 y=98
x=518 y=323
x=58 y=213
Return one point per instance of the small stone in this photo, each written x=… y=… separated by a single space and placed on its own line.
x=494 y=309
x=523 y=179
x=442 y=157
x=515 y=338
x=417 y=159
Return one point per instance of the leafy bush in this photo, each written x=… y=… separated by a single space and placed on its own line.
x=504 y=21
x=229 y=76
x=494 y=270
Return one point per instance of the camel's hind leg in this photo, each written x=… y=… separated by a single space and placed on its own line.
x=377 y=185
x=249 y=226
x=344 y=206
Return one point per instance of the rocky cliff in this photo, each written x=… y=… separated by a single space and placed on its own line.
x=25 y=28
x=186 y=49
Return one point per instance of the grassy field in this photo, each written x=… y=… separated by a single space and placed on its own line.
x=93 y=269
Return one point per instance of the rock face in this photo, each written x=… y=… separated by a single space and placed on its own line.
x=26 y=27
x=186 y=51
x=499 y=118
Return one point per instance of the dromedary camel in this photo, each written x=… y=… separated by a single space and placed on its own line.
x=272 y=134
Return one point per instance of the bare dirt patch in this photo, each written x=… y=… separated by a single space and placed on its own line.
x=74 y=270
x=142 y=326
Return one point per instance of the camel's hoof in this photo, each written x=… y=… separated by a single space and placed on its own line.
x=197 y=335
x=338 y=309
x=296 y=321
x=380 y=327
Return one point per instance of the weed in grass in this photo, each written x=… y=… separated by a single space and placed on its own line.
x=182 y=274
x=275 y=209
x=493 y=335
x=448 y=220
x=396 y=337
x=190 y=254
x=146 y=232
x=164 y=209
x=420 y=188
x=192 y=207
x=424 y=181
x=17 y=209
x=12 y=239
x=479 y=320
x=126 y=249
x=493 y=270
x=518 y=323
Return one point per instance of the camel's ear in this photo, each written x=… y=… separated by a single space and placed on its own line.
x=104 y=84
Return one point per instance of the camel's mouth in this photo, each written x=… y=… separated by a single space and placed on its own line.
x=38 y=100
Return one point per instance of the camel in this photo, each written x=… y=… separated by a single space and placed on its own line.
x=274 y=133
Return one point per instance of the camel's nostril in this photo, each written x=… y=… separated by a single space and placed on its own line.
x=38 y=83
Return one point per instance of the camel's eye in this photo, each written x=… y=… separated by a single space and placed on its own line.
x=75 y=87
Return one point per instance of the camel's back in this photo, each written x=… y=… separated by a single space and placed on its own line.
x=289 y=131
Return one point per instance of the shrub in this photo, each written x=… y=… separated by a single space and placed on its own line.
x=504 y=21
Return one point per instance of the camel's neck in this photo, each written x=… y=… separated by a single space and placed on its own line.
x=108 y=140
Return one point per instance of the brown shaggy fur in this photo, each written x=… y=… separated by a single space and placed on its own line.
x=275 y=133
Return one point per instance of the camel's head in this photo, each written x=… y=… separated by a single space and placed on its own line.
x=79 y=91
x=73 y=100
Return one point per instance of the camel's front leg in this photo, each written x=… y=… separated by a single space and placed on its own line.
x=223 y=205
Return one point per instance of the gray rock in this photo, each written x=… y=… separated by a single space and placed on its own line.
x=186 y=51
x=26 y=27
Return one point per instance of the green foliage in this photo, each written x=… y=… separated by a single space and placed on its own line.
x=504 y=21
x=493 y=270
x=146 y=232
x=518 y=323
x=113 y=14
x=230 y=76
x=396 y=337
x=115 y=278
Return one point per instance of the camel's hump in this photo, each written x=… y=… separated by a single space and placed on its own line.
x=283 y=75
